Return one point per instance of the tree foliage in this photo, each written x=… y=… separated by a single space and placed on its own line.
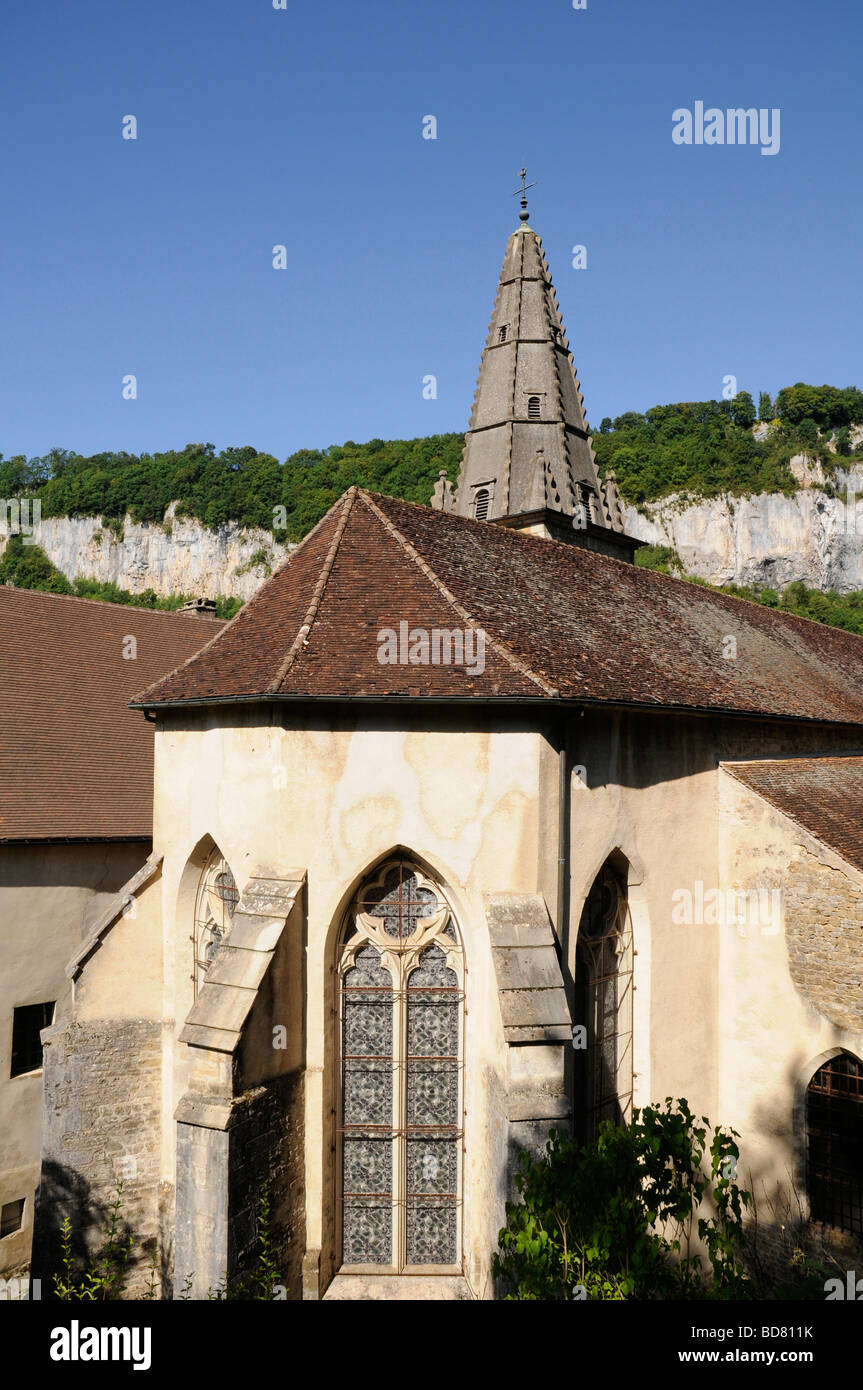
x=617 y=1219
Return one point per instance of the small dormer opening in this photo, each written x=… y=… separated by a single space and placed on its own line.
x=480 y=504
x=534 y=408
x=502 y=333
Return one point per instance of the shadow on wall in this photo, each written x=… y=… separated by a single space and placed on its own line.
x=64 y=1193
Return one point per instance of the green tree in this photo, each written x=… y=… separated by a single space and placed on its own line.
x=743 y=410
x=765 y=405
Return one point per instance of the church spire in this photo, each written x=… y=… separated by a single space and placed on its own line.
x=528 y=460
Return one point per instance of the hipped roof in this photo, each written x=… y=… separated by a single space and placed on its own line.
x=561 y=623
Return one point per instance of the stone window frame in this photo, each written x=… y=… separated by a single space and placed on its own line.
x=358 y=930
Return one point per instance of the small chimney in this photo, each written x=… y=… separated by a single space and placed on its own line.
x=200 y=607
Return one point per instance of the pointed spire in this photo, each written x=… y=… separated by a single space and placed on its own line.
x=528 y=448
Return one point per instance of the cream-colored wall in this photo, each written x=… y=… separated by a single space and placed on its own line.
x=50 y=895
x=333 y=801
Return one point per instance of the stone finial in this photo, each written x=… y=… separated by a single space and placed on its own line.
x=442 y=497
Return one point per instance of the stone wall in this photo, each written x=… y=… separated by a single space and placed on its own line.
x=824 y=931
x=266 y=1148
x=101 y=1124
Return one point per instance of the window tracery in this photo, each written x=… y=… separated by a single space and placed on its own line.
x=216 y=901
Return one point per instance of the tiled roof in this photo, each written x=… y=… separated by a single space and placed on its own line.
x=824 y=795
x=561 y=622
x=75 y=761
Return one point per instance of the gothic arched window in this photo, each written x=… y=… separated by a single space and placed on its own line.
x=401 y=991
x=480 y=504
x=834 y=1131
x=214 y=908
x=603 y=1002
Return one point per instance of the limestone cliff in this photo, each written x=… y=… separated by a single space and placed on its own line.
x=766 y=540
x=181 y=556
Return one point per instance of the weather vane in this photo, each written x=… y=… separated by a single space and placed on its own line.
x=523 y=191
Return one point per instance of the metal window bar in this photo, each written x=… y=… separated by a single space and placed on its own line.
x=835 y=1144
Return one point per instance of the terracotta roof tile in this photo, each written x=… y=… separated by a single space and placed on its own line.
x=561 y=622
x=75 y=761
x=824 y=795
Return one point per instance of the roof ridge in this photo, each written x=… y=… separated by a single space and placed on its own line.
x=426 y=569
x=138 y=699
x=302 y=636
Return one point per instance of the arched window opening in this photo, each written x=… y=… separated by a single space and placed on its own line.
x=834 y=1129
x=501 y=333
x=603 y=1072
x=480 y=504
x=214 y=908
x=534 y=408
x=401 y=995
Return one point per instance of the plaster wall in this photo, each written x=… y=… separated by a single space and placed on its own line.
x=50 y=894
x=334 y=798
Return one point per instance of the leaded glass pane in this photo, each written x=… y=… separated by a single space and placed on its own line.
x=432 y=972
x=432 y=1093
x=368 y=1092
x=432 y=1026
x=368 y=1164
x=432 y=1165
x=432 y=1231
x=368 y=1027
x=368 y=971
x=367 y=1231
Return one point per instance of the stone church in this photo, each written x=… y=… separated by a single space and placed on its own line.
x=462 y=786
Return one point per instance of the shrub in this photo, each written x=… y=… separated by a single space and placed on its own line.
x=615 y=1219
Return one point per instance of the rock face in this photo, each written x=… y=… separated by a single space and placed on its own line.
x=767 y=540
x=178 y=557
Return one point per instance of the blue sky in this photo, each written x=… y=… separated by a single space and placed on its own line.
x=303 y=127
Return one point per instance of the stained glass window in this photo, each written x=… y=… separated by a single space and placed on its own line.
x=401 y=997
x=214 y=908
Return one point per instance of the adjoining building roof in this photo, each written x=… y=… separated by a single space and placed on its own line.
x=75 y=761
x=561 y=624
x=823 y=794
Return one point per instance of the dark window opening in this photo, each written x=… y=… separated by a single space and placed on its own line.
x=480 y=504
x=533 y=408
x=11 y=1217
x=603 y=1071
x=501 y=336
x=27 y=1024
x=834 y=1125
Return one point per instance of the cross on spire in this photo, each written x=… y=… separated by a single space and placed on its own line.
x=523 y=215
